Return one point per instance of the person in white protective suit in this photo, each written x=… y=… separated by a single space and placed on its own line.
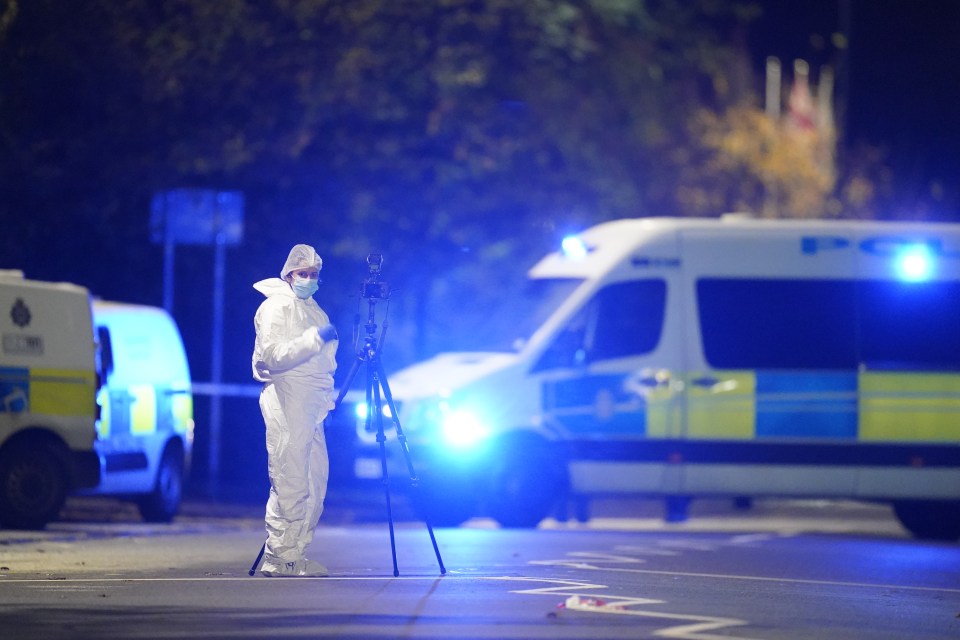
x=294 y=358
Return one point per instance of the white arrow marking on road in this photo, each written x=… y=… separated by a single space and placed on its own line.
x=695 y=627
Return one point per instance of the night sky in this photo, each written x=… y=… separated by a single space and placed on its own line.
x=898 y=83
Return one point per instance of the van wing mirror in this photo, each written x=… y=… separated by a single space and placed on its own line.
x=106 y=353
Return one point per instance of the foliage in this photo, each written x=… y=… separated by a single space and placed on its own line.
x=460 y=138
x=8 y=12
x=756 y=164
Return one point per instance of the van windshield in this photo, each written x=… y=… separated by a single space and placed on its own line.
x=523 y=312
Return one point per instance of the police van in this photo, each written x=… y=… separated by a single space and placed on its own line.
x=96 y=399
x=729 y=357
x=145 y=431
x=48 y=389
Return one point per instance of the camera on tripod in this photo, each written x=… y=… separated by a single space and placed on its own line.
x=372 y=288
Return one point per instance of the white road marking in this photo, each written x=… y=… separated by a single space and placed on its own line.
x=230 y=577
x=694 y=627
x=831 y=583
x=698 y=627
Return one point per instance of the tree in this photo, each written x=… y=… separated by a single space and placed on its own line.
x=460 y=138
x=8 y=12
x=444 y=134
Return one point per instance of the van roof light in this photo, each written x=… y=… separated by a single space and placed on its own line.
x=914 y=263
x=574 y=247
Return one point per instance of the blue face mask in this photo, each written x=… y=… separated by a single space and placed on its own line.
x=305 y=287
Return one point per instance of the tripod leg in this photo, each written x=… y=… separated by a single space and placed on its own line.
x=381 y=377
x=256 y=563
x=376 y=406
x=348 y=380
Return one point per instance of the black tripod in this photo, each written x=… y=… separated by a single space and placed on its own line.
x=369 y=354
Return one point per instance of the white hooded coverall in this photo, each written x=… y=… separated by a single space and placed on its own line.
x=296 y=367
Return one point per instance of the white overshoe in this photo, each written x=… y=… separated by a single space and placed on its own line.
x=297 y=569
x=280 y=569
x=311 y=569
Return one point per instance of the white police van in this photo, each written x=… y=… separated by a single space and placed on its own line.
x=730 y=357
x=48 y=387
x=146 y=425
x=95 y=398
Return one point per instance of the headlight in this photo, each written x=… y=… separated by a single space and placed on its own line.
x=361 y=410
x=440 y=419
x=360 y=419
x=462 y=427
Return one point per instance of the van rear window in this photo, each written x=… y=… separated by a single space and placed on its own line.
x=829 y=324
x=908 y=325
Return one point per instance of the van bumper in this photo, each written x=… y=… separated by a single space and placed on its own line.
x=86 y=469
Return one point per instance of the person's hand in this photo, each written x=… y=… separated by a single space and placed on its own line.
x=327 y=333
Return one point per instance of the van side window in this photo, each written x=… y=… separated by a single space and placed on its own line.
x=829 y=324
x=911 y=325
x=623 y=319
x=777 y=324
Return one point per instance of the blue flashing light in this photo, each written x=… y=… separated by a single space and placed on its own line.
x=914 y=263
x=573 y=247
x=463 y=428
x=361 y=411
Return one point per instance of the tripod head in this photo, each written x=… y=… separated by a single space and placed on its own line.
x=373 y=289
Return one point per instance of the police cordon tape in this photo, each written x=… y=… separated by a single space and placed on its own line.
x=225 y=389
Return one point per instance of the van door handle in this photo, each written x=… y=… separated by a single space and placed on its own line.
x=655 y=379
x=706 y=381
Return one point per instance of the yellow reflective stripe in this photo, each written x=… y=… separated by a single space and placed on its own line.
x=909 y=406
x=63 y=392
x=103 y=428
x=663 y=412
x=182 y=408
x=723 y=410
x=143 y=410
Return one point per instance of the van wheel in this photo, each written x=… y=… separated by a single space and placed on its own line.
x=929 y=519
x=526 y=481
x=33 y=486
x=163 y=503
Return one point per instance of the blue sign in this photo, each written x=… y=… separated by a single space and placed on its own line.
x=197 y=216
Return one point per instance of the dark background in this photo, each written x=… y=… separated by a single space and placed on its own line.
x=899 y=88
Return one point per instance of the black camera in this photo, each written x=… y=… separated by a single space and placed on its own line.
x=372 y=288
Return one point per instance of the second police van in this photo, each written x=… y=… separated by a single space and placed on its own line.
x=145 y=431
x=685 y=358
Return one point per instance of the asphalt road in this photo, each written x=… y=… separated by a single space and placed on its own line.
x=780 y=571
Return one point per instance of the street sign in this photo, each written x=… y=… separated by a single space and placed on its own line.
x=201 y=217
x=197 y=216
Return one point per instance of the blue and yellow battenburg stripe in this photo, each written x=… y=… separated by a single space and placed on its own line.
x=909 y=407
x=147 y=409
x=54 y=392
x=762 y=406
x=863 y=406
